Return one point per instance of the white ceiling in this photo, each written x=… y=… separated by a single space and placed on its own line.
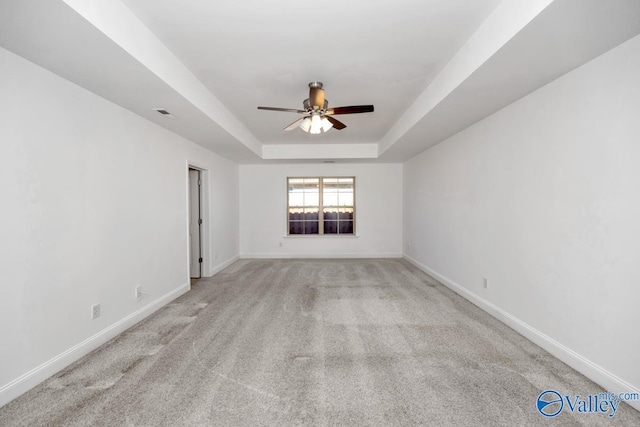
x=256 y=52
x=430 y=67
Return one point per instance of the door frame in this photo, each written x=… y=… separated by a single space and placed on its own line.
x=205 y=266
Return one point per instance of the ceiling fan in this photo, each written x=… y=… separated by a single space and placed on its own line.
x=318 y=117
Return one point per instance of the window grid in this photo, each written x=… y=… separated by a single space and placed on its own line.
x=307 y=213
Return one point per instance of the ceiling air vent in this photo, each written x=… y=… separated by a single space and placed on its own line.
x=164 y=112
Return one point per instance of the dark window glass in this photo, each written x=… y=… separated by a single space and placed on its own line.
x=296 y=227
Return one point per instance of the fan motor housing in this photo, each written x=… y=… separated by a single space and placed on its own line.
x=307 y=106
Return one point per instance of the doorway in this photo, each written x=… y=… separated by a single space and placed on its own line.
x=195 y=223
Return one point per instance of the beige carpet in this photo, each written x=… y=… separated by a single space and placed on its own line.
x=312 y=342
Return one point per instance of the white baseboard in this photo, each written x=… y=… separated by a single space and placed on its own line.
x=298 y=255
x=218 y=268
x=24 y=383
x=606 y=379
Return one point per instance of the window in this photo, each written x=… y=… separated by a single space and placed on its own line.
x=321 y=205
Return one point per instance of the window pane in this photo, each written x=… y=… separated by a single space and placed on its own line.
x=330 y=214
x=345 y=184
x=330 y=199
x=345 y=199
x=344 y=189
x=296 y=185
x=296 y=199
x=313 y=182
x=330 y=191
x=296 y=227
x=311 y=214
x=304 y=191
x=311 y=227
x=312 y=197
x=296 y=192
x=345 y=227
x=330 y=227
x=330 y=187
x=345 y=215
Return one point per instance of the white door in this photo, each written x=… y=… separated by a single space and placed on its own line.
x=195 y=222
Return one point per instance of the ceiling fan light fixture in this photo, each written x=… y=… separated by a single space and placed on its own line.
x=306 y=124
x=326 y=124
x=316 y=124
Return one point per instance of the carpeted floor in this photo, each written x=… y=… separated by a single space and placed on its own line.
x=311 y=342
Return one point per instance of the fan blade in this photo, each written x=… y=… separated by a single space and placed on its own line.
x=295 y=124
x=288 y=110
x=316 y=98
x=353 y=109
x=337 y=124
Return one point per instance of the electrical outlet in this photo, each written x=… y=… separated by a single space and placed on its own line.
x=95 y=311
x=485 y=283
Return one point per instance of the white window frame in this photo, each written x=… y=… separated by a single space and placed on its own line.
x=321 y=207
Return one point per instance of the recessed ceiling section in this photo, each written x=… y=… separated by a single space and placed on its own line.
x=252 y=53
x=55 y=36
x=431 y=68
x=562 y=37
